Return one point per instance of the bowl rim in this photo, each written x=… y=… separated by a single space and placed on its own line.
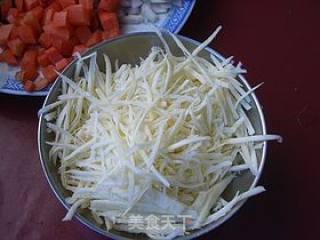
x=195 y=233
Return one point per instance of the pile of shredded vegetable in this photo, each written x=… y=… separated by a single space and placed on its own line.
x=166 y=136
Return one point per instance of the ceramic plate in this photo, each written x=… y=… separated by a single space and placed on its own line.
x=172 y=21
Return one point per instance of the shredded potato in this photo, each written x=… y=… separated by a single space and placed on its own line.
x=166 y=136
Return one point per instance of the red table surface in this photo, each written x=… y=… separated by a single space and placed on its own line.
x=278 y=42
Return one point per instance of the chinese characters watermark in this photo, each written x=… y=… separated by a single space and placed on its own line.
x=155 y=222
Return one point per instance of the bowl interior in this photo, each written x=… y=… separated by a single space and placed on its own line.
x=130 y=49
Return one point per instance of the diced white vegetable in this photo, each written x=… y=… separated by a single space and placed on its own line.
x=149 y=10
x=126 y=3
x=148 y=14
x=162 y=8
x=131 y=19
x=136 y=3
x=133 y=11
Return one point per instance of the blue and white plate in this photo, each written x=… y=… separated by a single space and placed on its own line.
x=172 y=21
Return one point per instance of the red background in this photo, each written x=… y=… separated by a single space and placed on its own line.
x=278 y=42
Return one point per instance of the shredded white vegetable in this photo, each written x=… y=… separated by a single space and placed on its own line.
x=166 y=136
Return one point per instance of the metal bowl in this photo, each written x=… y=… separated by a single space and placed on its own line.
x=129 y=49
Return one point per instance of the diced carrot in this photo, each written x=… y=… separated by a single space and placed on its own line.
x=43 y=60
x=53 y=55
x=31 y=74
x=60 y=19
x=74 y=41
x=38 y=12
x=59 y=32
x=87 y=4
x=60 y=65
x=13 y=11
x=45 y=40
x=29 y=4
x=105 y=36
x=31 y=20
x=15 y=19
x=14 y=33
x=11 y=19
x=49 y=73
x=109 y=21
x=13 y=15
x=62 y=46
x=2 y=57
x=95 y=38
x=95 y=23
x=83 y=34
x=79 y=48
x=16 y=46
x=55 y=6
x=5 y=6
x=44 y=3
x=27 y=34
x=65 y=48
x=19 y=76
x=40 y=84
x=114 y=33
x=109 y=5
x=110 y=34
x=41 y=50
x=48 y=16
x=5 y=31
x=19 y=4
x=29 y=60
x=67 y=3
x=8 y=57
x=26 y=75
x=28 y=86
x=78 y=15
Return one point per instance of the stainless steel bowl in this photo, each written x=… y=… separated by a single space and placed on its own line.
x=129 y=49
